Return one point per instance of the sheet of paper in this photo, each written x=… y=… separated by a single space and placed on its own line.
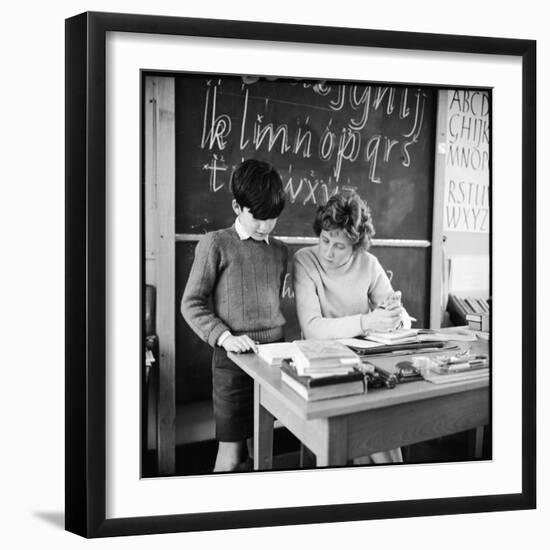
x=462 y=334
x=276 y=351
x=278 y=348
x=470 y=275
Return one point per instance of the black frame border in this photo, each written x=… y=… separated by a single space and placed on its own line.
x=85 y=490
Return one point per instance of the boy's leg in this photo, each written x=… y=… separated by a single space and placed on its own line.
x=387 y=457
x=229 y=456
x=233 y=399
x=246 y=463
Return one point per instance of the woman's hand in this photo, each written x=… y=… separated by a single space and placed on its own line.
x=382 y=320
x=392 y=300
x=239 y=344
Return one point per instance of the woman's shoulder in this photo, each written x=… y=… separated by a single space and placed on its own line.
x=366 y=256
x=307 y=255
x=367 y=260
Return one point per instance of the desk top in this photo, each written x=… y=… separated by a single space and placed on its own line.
x=269 y=378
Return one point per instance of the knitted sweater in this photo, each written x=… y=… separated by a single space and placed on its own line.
x=243 y=280
x=330 y=301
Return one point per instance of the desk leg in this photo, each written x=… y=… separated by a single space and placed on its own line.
x=334 y=450
x=475 y=441
x=478 y=448
x=263 y=433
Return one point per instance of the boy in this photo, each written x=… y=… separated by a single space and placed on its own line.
x=232 y=299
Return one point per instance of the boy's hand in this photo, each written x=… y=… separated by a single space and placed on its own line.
x=239 y=344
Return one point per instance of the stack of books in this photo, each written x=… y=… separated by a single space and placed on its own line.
x=323 y=369
x=478 y=321
x=315 y=388
x=319 y=357
x=459 y=307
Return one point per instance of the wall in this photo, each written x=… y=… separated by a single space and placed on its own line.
x=31 y=218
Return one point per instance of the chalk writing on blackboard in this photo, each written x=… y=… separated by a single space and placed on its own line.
x=322 y=137
x=287 y=290
x=333 y=140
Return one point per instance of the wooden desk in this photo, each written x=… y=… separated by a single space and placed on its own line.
x=338 y=430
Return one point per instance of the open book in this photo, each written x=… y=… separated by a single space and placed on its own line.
x=401 y=336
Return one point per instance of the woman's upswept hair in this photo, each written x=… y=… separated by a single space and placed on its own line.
x=349 y=213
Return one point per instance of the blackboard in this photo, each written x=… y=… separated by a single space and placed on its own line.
x=321 y=137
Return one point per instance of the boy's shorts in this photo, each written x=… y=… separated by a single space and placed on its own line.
x=233 y=398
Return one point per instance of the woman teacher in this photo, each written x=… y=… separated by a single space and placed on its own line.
x=341 y=289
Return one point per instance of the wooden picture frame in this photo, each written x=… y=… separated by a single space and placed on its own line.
x=87 y=266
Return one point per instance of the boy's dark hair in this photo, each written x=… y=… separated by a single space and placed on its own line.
x=257 y=186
